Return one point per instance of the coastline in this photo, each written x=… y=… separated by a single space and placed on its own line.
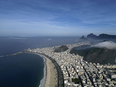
x=42 y=82
x=50 y=78
x=51 y=73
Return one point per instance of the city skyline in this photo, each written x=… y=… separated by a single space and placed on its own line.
x=57 y=17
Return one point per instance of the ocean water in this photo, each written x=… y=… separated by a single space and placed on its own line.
x=25 y=70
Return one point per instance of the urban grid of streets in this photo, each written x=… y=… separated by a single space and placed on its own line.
x=73 y=66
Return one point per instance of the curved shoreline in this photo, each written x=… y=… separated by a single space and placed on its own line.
x=42 y=82
x=51 y=73
x=54 y=74
x=60 y=77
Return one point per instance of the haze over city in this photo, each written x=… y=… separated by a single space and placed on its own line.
x=57 y=17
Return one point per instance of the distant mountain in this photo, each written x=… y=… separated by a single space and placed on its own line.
x=103 y=53
x=104 y=36
x=101 y=36
x=92 y=36
x=61 y=48
x=83 y=37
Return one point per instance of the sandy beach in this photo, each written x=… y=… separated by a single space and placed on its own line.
x=51 y=78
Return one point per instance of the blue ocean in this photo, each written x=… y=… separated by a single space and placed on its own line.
x=25 y=70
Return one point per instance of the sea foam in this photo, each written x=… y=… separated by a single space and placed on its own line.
x=42 y=82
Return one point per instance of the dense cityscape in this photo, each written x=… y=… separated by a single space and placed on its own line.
x=78 y=72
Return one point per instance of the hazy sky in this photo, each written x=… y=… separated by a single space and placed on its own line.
x=57 y=17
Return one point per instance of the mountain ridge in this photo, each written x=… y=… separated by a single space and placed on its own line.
x=101 y=36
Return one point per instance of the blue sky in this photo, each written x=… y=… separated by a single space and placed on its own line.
x=57 y=17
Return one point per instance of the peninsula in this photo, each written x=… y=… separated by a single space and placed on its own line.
x=69 y=70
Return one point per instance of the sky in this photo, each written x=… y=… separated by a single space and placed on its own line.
x=57 y=17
